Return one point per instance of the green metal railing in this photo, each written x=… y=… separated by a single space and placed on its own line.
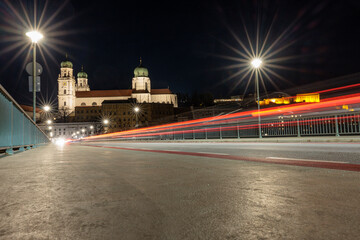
x=341 y=124
x=17 y=129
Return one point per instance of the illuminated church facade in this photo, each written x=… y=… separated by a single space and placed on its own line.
x=76 y=92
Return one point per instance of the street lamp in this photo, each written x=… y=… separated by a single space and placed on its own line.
x=256 y=64
x=47 y=108
x=49 y=121
x=136 y=110
x=35 y=37
x=105 y=127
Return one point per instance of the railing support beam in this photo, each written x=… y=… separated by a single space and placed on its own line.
x=336 y=126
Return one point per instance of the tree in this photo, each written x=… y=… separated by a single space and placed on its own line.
x=63 y=113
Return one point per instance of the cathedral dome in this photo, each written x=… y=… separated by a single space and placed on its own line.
x=66 y=64
x=141 y=71
x=82 y=74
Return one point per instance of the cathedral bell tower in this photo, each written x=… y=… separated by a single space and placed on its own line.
x=141 y=87
x=82 y=81
x=66 y=88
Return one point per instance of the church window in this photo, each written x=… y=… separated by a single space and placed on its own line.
x=146 y=87
x=94 y=103
x=64 y=103
x=64 y=91
x=83 y=104
x=80 y=84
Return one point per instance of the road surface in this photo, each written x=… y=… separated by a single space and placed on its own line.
x=180 y=191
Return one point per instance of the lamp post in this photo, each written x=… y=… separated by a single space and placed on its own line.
x=35 y=37
x=256 y=64
x=106 y=122
x=136 y=110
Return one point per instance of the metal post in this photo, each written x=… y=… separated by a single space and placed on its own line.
x=10 y=151
x=21 y=149
x=258 y=100
x=220 y=132
x=12 y=124
x=238 y=130
x=298 y=128
x=34 y=82
x=137 y=118
x=206 y=137
x=336 y=126
x=193 y=134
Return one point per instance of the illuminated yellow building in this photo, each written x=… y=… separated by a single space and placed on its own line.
x=307 y=97
x=280 y=100
x=304 y=97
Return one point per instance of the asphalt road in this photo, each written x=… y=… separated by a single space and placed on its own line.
x=334 y=152
x=178 y=191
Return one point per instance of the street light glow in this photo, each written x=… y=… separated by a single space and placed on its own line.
x=34 y=36
x=256 y=62
x=136 y=109
x=91 y=127
x=106 y=121
x=49 y=121
x=46 y=108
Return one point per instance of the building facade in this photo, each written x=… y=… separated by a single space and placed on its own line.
x=71 y=130
x=72 y=93
x=121 y=114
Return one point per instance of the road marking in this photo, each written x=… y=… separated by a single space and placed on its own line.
x=271 y=160
x=307 y=160
x=214 y=153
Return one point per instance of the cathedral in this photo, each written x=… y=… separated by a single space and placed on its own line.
x=72 y=93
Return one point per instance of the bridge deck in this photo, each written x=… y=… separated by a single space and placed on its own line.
x=84 y=192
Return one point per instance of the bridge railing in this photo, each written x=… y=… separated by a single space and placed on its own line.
x=327 y=123
x=285 y=126
x=17 y=129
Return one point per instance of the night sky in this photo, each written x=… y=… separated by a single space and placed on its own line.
x=180 y=42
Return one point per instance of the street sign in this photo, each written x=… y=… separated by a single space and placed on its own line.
x=31 y=84
x=29 y=69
